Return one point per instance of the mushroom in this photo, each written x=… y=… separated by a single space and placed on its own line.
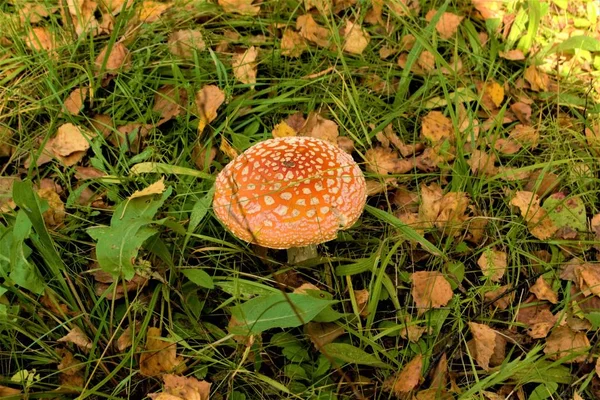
x=290 y=192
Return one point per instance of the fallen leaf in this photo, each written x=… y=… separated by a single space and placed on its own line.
x=447 y=212
x=70 y=368
x=311 y=31
x=159 y=355
x=82 y=15
x=32 y=13
x=492 y=94
x=430 y=290
x=507 y=146
x=40 y=39
x=151 y=11
x=242 y=7
x=318 y=127
x=407 y=379
x=74 y=103
x=6 y=185
x=184 y=43
x=522 y=111
x=525 y=135
x=283 y=130
x=482 y=163
x=54 y=216
x=538 y=222
x=203 y=156
x=563 y=342
x=447 y=25
x=6 y=147
x=538 y=80
x=169 y=102
x=597 y=369
x=116 y=6
x=513 y=55
x=493 y=264
x=362 y=299
x=292 y=43
x=543 y=291
x=104 y=285
x=485 y=343
x=386 y=51
x=588 y=278
x=412 y=332
x=118 y=58
x=322 y=333
x=6 y=391
x=356 y=39
x=500 y=298
x=156 y=188
x=182 y=388
x=435 y=127
x=382 y=161
x=78 y=338
x=245 y=67
x=228 y=149
x=489 y=9
x=426 y=61
x=208 y=101
x=542 y=182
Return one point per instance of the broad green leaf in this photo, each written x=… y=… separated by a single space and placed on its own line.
x=276 y=311
x=581 y=42
x=566 y=212
x=351 y=354
x=118 y=245
x=358 y=267
x=544 y=391
x=199 y=277
x=295 y=371
x=22 y=272
x=242 y=288
x=406 y=230
x=200 y=210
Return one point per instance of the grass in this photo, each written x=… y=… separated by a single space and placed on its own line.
x=373 y=255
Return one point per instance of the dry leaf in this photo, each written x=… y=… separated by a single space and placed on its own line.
x=493 y=264
x=513 y=55
x=32 y=13
x=412 y=333
x=312 y=31
x=118 y=58
x=362 y=299
x=203 y=156
x=447 y=212
x=208 y=101
x=436 y=127
x=588 y=278
x=6 y=202
x=6 y=147
x=82 y=15
x=384 y=161
x=78 y=338
x=71 y=369
x=522 y=111
x=447 y=25
x=292 y=44
x=563 y=342
x=430 y=290
x=74 y=103
x=538 y=80
x=407 y=379
x=543 y=291
x=500 y=298
x=104 y=285
x=151 y=11
x=493 y=94
x=182 y=388
x=159 y=355
x=426 y=61
x=482 y=163
x=525 y=135
x=322 y=333
x=184 y=43
x=283 y=130
x=40 y=39
x=356 y=39
x=489 y=9
x=538 y=222
x=538 y=318
x=507 y=146
x=54 y=216
x=228 y=149
x=6 y=391
x=242 y=7
x=156 y=188
x=485 y=343
x=245 y=67
x=318 y=127
x=169 y=102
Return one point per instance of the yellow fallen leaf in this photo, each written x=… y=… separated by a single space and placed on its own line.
x=493 y=263
x=156 y=188
x=495 y=91
x=485 y=343
x=543 y=291
x=228 y=149
x=407 y=379
x=151 y=11
x=78 y=338
x=82 y=15
x=436 y=127
x=311 y=31
x=292 y=44
x=564 y=342
x=318 y=127
x=74 y=103
x=356 y=39
x=182 y=388
x=430 y=290
x=184 y=43
x=242 y=7
x=538 y=80
x=245 y=67
x=283 y=130
x=54 y=216
x=208 y=101
x=159 y=355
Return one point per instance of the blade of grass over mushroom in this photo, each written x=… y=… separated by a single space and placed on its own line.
x=276 y=311
x=405 y=230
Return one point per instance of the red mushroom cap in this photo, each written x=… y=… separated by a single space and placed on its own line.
x=290 y=192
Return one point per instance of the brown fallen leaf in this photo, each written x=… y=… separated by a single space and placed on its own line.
x=184 y=43
x=564 y=342
x=54 y=216
x=151 y=11
x=430 y=290
x=482 y=163
x=245 y=66
x=446 y=212
x=525 y=135
x=169 y=102
x=356 y=39
x=500 y=298
x=71 y=369
x=40 y=39
x=82 y=15
x=159 y=355
x=382 y=161
x=489 y=9
x=543 y=291
x=7 y=391
x=435 y=127
x=126 y=339
x=74 y=103
x=292 y=44
x=104 y=285
x=78 y=338
x=407 y=379
x=412 y=333
x=32 y=13
x=492 y=94
x=362 y=299
x=588 y=278
x=322 y=333
x=513 y=55
x=311 y=31
x=538 y=222
x=6 y=146
x=182 y=388
x=485 y=342
x=6 y=185
x=118 y=58
x=203 y=156
x=447 y=25
x=426 y=61
x=242 y=7
x=493 y=264
x=208 y=101
x=318 y=127
x=538 y=80
x=522 y=111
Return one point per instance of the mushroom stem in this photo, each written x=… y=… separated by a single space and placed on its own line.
x=296 y=255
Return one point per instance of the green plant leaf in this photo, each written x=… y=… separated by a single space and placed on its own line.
x=543 y=391
x=581 y=42
x=276 y=311
x=351 y=354
x=118 y=245
x=566 y=212
x=199 y=277
x=200 y=210
x=23 y=273
x=242 y=288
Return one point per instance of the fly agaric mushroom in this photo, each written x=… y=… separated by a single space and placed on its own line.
x=290 y=192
